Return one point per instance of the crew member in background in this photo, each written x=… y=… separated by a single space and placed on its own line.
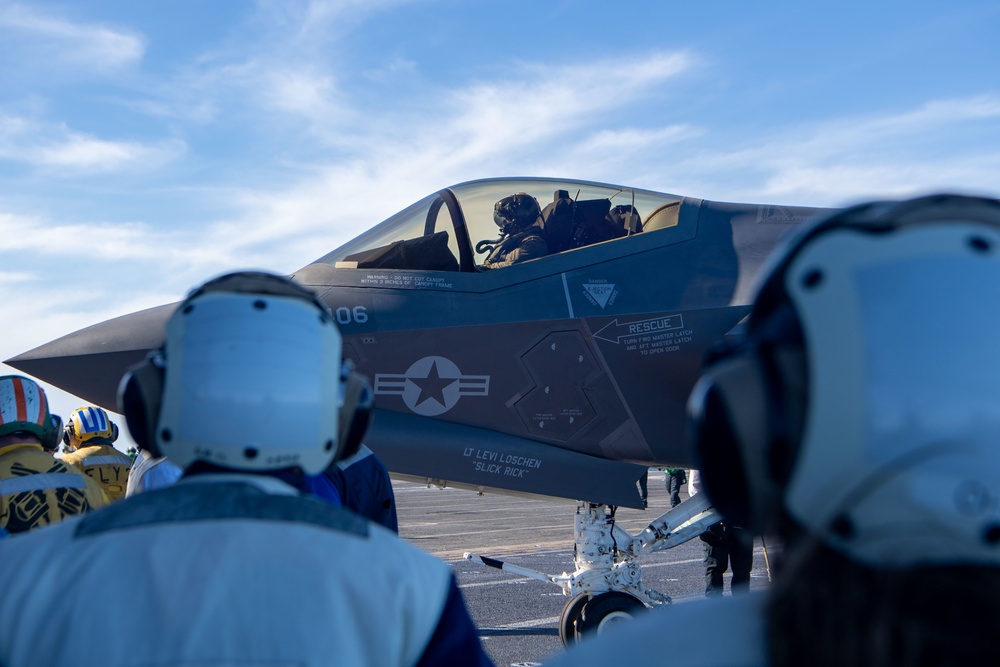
x=150 y=472
x=89 y=436
x=35 y=488
x=675 y=479
x=232 y=565
x=365 y=488
x=726 y=547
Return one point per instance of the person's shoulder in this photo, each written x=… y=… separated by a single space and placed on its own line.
x=725 y=632
x=535 y=235
x=68 y=466
x=75 y=457
x=19 y=452
x=37 y=547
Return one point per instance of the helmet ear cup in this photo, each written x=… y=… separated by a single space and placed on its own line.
x=68 y=434
x=728 y=413
x=140 y=397
x=53 y=432
x=114 y=431
x=355 y=415
x=747 y=414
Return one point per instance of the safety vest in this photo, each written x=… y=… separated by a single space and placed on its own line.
x=235 y=573
x=37 y=489
x=105 y=465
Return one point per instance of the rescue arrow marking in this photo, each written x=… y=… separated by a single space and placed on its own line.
x=613 y=332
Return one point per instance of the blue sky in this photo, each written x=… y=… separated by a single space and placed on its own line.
x=145 y=147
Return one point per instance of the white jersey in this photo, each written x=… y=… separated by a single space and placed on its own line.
x=150 y=473
x=219 y=570
x=718 y=632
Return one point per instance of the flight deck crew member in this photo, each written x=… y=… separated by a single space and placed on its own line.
x=88 y=435
x=675 y=479
x=518 y=217
x=365 y=487
x=35 y=488
x=231 y=565
x=150 y=472
x=837 y=380
x=726 y=547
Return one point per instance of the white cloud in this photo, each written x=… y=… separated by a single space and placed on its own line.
x=36 y=235
x=56 y=146
x=83 y=45
x=547 y=102
x=938 y=145
x=14 y=278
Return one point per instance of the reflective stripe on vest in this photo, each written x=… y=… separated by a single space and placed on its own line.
x=109 y=460
x=42 y=482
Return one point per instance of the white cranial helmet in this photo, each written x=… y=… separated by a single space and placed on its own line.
x=251 y=378
x=865 y=402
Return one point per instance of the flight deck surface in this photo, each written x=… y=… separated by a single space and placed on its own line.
x=518 y=617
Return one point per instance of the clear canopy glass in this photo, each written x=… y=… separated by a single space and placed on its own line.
x=465 y=211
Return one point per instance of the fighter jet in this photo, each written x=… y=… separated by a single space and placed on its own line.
x=563 y=376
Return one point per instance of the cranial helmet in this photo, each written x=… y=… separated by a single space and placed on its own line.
x=23 y=407
x=89 y=423
x=863 y=404
x=516 y=212
x=250 y=378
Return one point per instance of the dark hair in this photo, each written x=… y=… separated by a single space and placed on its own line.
x=829 y=610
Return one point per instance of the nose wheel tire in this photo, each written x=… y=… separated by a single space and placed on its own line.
x=571 y=618
x=592 y=615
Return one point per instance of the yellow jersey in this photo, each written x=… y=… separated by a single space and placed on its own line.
x=105 y=465
x=37 y=489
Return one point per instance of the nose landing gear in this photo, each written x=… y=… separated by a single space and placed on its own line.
x=606 y=588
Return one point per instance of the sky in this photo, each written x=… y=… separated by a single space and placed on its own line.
x=148 y=146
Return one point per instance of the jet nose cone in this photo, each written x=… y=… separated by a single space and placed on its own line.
x=89 y=363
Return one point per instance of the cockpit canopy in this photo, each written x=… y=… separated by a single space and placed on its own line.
x=454 y=229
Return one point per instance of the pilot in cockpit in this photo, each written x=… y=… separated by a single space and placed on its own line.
x=519 y=219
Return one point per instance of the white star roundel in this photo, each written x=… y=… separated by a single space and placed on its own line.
x=432 y=385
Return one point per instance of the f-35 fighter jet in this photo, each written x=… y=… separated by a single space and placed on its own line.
x=563 y=371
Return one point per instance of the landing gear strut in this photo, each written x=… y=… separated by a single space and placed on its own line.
x=606 y=587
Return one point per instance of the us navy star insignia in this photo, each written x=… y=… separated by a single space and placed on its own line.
x=432 y=385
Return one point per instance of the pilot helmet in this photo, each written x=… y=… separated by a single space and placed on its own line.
x=253 y=349
x=23 y=407
x=516 y=212
x=89 y=423
x=861 y=408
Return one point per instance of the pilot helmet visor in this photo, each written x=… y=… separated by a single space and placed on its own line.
x=899 y=462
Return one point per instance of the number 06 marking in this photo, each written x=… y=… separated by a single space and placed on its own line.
x=345 y=315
